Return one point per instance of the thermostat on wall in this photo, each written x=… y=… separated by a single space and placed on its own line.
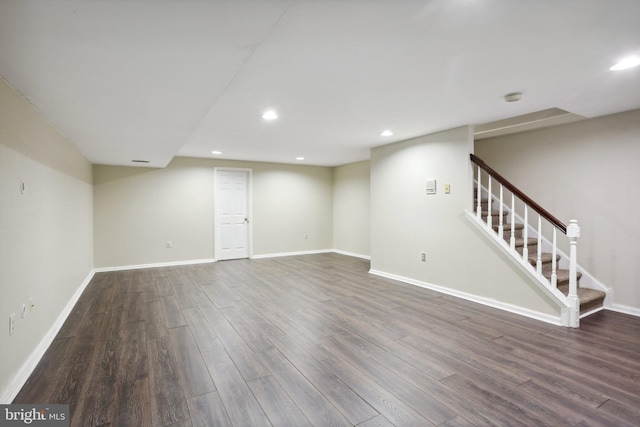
x=431 y=186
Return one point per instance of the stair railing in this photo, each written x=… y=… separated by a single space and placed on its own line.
x=572 y=231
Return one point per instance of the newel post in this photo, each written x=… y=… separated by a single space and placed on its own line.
x=573 y=232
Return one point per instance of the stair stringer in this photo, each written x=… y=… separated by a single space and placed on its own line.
x=554 y=294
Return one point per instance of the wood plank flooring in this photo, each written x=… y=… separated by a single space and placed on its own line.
x=316 y=340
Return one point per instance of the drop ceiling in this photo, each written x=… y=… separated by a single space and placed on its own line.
x=149 y=80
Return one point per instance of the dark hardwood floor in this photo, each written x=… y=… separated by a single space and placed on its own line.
x=316 y=340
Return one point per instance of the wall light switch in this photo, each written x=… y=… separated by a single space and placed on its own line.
x=431 y=186
x=12 y=323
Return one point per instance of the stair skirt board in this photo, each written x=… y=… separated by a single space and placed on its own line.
x=589 y=313
x=532 y=314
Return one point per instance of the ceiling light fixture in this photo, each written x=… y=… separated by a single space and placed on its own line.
x=628 y=62
x=270 y=115
x=386 y=133
x=216 y=152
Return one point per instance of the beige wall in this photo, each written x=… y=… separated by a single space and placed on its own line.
x=351 y=208
x=587 y=171
x=46 y=249
x=405 y=221
x=138 y=209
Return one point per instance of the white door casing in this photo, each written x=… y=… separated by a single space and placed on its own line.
x=232 y=219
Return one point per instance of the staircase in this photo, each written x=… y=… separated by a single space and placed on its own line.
x=531 y=247
x=590 y=299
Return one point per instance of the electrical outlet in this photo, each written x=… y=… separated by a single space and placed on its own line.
x=423 y=256
x=169 y=244
x=12 y=323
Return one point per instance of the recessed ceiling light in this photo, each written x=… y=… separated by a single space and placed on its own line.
x=216 y=152
x=299 y=158
x=628 y=62
x=270 y=115
x=386 y=133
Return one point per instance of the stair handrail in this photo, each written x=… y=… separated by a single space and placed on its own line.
x=572 y=232
x=515 y=190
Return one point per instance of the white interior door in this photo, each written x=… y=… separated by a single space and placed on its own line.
x=232 y=229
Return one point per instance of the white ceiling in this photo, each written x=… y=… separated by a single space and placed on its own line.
x=152 y=79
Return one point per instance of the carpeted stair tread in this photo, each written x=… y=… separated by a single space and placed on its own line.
x=506 y=230
x=545 y=257
x=483 y=214
x=531 y=241
x=507 y=226
x=562 y=276
x=587 y=295
x=590 y=299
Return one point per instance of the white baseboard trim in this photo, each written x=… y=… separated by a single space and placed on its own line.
x=625 y=309
x=205 y=261
x=25 y=371
x=338 y=251
x=154 y=265
x=319 y=251
x=281 y=254
x=555 y=320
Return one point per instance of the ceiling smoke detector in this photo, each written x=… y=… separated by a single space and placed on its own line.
x=513 y=96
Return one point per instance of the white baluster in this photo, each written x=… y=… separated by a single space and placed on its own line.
x=500 y=219
x=554 y=274
x=525 y=235
x=539 y=258
x=479 y=194
x=489 y=204
x=512 y=241
x=573 y=232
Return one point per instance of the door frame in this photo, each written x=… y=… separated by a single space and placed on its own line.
x=249 y=195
